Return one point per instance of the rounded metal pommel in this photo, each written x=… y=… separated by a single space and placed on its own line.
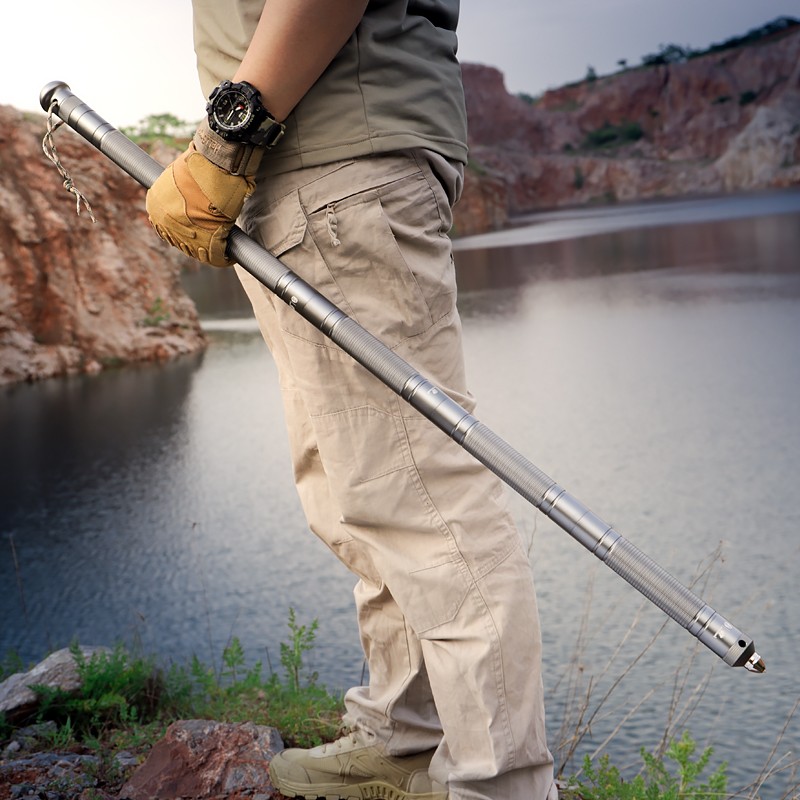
x=49 y=90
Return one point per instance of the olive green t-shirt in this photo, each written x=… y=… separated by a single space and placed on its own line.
x=396 y=83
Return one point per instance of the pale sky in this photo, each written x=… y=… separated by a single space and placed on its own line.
x=130 y=60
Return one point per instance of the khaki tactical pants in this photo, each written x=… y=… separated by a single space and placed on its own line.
x=445 y=599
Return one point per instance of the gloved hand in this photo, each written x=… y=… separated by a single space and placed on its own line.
x=194 y=203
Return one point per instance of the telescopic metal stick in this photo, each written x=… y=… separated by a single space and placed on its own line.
x=733 y=646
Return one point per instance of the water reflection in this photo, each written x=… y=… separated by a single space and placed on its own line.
x=58 y=427
x=577 y=244
x=755 y=244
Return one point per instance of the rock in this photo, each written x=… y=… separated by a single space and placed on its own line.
x=207 y=760
x=723 y=121
x=78 y=297
x=27 y=738
x=196 y=759
x=58 y=670
x=47 y=775
x=483 y=206
x=496 y=118
x=767 y=150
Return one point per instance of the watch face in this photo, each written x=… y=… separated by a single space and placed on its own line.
x=232 y=111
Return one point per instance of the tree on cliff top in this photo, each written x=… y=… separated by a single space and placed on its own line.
x=166 y=127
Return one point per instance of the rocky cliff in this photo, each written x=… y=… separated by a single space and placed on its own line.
x=728 y=120
x=76 y=296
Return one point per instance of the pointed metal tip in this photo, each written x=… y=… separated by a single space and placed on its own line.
x=755 y=663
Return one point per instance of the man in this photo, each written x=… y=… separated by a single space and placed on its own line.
x=344 y=131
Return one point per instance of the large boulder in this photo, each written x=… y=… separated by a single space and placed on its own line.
x=207 y=760
x=58 y=671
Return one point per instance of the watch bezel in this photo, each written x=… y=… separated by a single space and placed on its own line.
x=222 y=105
x=256 y=113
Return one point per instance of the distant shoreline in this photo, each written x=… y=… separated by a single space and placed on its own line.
x=553 y=226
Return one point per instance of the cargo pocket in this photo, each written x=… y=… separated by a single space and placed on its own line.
x=432 y=596
x=386 y=256
x=279 y=227
x=282 y=229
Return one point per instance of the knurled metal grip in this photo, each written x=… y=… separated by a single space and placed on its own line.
x=647 y=577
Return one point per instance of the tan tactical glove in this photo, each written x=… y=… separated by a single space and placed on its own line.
x=194 y=203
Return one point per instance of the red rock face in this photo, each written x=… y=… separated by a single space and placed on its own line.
x=204 y=759
x=726 y=121
x=77 y=296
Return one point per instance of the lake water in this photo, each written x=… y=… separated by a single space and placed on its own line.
x=647 y=358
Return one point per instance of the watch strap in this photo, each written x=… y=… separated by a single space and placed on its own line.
x=269 y=132
x=237 y=158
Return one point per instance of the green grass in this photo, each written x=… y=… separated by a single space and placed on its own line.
x=127 y=701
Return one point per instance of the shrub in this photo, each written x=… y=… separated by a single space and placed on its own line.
x=167 y=128
x=668 y=54
x=613 y=135
x=747 y=97
x=116 y=690
x=123 y=698
x=604 y=782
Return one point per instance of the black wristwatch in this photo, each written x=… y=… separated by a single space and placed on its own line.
x=236 y=114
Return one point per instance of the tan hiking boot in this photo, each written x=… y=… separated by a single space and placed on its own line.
x=354 y=768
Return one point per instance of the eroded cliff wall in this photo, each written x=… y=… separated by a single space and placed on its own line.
x=76 y=296
x=721 y=122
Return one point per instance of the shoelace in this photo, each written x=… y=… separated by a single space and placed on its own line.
x=349 y=739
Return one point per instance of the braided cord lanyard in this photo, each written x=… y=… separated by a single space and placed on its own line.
x=51 y=152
